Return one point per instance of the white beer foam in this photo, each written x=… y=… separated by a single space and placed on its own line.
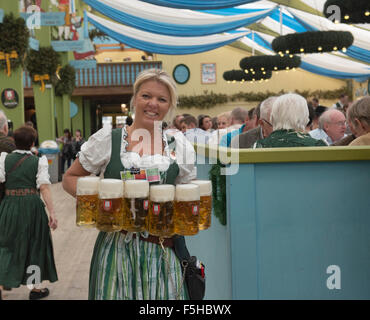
x=205 y=187
x=136 y=189
x=87 y=186
x=187 y=192
x=110 y=189
x=162 y=193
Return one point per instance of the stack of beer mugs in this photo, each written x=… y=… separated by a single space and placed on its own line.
x=112 y=205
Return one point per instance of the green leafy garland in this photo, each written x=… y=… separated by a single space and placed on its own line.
x=218 y=192
x=268 y=62
x=207 y=101
x=312 y=42
x=43 y=62
x=240 y=75
x=67 y=81
x=14 y=36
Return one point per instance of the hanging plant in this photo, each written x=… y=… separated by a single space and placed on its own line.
x=351 y=11
x=218 y=192
x=14 y=37
x=42 y=66
x=312 y=42
x=240 y=75
x=267 y=62
x=67 y=81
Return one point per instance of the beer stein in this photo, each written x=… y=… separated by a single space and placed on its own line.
x=160 y=219
x=87 y=201
x=110 y=212
x=136 y=203
x=205 y=189
x=187 y=202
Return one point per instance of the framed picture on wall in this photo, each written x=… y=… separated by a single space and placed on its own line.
x=208 y=73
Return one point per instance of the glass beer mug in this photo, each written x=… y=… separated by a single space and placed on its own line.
x=161 y=217
x=187 y=202
x=87 y=201
x=136 y=203
x=205 y=189
x=110 y=212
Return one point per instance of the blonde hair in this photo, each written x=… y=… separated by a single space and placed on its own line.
x=226 y=115
x=162 y=77
x=360 y=110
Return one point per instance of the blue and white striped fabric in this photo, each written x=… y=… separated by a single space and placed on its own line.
x=174 y=22
x=199 y=4
x=325 y=64
x=157 y=43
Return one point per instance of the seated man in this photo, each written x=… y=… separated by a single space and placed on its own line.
x=239 y=120
x=262 y=117
x=194 y=134
x=332 y=127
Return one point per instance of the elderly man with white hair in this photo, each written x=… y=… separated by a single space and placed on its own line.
x=332 y=127
x=289 y=117
x=6 y=143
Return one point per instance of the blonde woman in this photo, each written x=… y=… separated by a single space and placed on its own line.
x=124 y=268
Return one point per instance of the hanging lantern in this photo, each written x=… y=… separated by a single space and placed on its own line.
x=312 y=41
x=272 y=63
x=241 y=76
x=351 y=11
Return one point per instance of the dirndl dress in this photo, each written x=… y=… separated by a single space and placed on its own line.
x=26 y=249
x=124 y=267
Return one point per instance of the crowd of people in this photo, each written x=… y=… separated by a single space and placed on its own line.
x=288 y=120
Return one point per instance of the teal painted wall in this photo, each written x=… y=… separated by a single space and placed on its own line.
x=287 y=223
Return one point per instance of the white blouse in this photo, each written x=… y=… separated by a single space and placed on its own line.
x=96 y=152
x=42 y=176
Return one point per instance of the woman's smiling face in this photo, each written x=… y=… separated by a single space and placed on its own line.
x=152 y=102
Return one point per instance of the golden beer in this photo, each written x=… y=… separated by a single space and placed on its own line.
x=87 y=201
x=205 y=211
x=187 y=203
x=110 y=214
x=136 y=205
x=161 y=210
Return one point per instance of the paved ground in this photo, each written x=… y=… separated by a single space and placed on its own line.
x=73 y=248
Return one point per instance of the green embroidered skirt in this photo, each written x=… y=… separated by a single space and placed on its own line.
x=133 y=270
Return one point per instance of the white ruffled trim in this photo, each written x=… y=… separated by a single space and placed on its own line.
x=2 y=166
x=23 y=151
x=42 y=176
x=95 y=155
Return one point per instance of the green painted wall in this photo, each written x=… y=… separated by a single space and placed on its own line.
x=15 y=81
x=77 y=120
x=86 y=118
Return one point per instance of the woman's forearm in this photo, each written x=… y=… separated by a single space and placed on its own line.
x=46 y=195
x=70 y=177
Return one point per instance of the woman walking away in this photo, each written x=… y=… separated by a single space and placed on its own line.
x=25 y=240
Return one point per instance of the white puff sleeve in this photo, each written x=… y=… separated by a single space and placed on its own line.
x=2 y=166
x=186 y=158
x=95 y=153
x=42 y=176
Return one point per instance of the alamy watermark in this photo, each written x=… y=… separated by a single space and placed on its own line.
x=184 y=154
x=34 y=20
x=335 y=13
x=34 y=280
x=334 y=280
